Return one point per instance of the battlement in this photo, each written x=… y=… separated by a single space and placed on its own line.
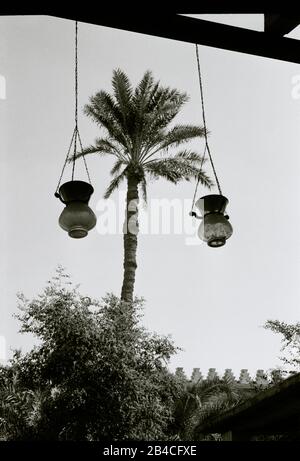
x=244 y=379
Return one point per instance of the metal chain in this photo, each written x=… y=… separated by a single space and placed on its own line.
x=204 y=121
x=198 y=179
x=76 y=74
x=85 y=164
x=76 y=97
x=66 y=160
x=205 y=135
x=76 y=130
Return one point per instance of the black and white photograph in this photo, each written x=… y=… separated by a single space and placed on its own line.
x=150 y=229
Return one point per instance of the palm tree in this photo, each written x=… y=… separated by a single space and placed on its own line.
x=201 y=401
x=136 y=122
x=20 y=408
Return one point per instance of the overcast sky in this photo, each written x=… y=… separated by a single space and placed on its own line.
x=212 y=301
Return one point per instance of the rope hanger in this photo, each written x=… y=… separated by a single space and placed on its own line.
x=75 y=135
x=206 y=148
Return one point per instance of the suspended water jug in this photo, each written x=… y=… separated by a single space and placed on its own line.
x=215 y=227
x=77 y=218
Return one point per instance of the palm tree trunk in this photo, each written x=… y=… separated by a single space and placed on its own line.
x=130 y=237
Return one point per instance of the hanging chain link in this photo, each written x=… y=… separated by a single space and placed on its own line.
x=206 y=148
x=76 y=130
x=65 y=164
x=76 y=74
x=76 y=98
x=84 y=160
x=198 y=179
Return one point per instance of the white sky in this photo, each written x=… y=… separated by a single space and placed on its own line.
x=247 y=21
x=212 y=301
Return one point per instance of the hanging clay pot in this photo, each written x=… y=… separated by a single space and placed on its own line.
x=77 y=218
x=215 y=228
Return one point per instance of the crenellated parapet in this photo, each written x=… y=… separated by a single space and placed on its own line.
x=196 y=375
x=243 y=380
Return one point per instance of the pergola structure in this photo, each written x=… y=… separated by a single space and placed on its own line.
x=270 y=43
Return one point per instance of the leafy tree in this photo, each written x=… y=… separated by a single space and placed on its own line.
x=140 y=139
x=96 y=374
x=290 y=342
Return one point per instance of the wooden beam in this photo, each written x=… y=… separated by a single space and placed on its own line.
x=186 y=29
x=279 y=24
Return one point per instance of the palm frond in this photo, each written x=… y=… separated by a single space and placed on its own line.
x=140 y=100
x=103 y=146
x=109 y=108
x=160 y=169
x=185 y=155
x=162 y=141
x=87 y=150
x=176 y=169
x=143 y=90
x=110 y=146
x=117 y=166
x=114 y=184
x=209 y=411
x=167 y=100
x=190 y=156
x=163 y=111
x=155 y=107
x=200 y=401
x=106 y=119
x=180 y=134
x=122 y=91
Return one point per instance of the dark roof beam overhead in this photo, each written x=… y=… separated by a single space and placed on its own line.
x=279 y=24
x=186 y=29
